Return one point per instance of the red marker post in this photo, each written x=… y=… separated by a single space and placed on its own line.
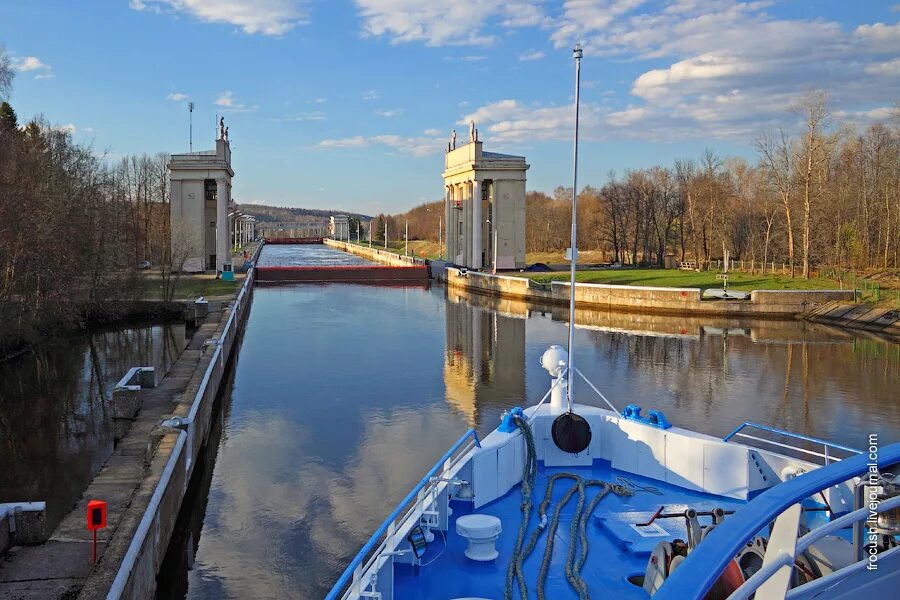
x=96 y=519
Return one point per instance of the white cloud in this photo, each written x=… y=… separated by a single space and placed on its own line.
x=394 y=112
x=225 y=99
x=370 y=95
x=513 y=121
x=531 y=55
x=67 y=128
x=268 y=17
x=432 y=132
x=730 y=68
x=32 y=64
x=458 y=23
x=227 y=103
x=28 y=63
x=416 y=146
x=317 y=115
x=890 y=68
x=177 y=97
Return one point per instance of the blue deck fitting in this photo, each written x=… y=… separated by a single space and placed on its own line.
x=507 y=425
x=655 y=418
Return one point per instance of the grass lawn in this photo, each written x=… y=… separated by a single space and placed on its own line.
x=190 y=287
x=702 y=280
x=417 y=248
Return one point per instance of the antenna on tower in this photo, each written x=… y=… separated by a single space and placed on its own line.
x=191 y=130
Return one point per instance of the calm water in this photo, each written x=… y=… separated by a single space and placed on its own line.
x=56 y=427
x=343 y=396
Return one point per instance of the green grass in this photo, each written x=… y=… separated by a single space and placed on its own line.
x=190 y=287
x=702 y=280
x=417 y=248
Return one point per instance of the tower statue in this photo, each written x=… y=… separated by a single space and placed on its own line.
x=472 y=131
x=226 y=134
x=453 y=140
x=222 y=128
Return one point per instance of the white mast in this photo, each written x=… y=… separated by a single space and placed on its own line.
x=570 y=367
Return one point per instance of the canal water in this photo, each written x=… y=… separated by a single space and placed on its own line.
x=308 y=254
x=56 y=427
x=342 y=396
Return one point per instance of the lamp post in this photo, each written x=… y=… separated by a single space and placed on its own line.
x=406 y=239
x=385 y=233
x=570 y=368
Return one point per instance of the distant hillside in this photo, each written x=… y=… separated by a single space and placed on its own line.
x=288 y=214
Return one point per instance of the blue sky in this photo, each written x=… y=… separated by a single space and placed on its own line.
x=348 y=104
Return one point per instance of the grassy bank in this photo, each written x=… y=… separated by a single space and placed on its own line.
x=703 y=280
x=418 y=248
x=190 y=287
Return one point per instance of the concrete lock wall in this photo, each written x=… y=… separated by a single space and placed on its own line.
x=376 y=254
x=22 y=524
x=763 y=303
x=179 y=441
x=629 y=296
x=502 y=285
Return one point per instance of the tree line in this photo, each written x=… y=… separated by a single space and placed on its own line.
x=73 y=225
x=825 y=195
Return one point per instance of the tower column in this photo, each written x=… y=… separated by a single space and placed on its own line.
x=477 y=222
x=223 y=251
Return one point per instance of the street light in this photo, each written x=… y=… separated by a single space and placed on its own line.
x=406 y=238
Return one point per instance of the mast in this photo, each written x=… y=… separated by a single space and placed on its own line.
x=576 y=54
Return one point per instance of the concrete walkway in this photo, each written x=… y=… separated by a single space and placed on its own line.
x=58 y=568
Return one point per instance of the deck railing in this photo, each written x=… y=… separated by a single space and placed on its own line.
x=828 y=448
x=781 y=505
x=360 y=564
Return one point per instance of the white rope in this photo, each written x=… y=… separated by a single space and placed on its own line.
x=608 y=403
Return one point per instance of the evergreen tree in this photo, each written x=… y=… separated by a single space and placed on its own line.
x=8 y=118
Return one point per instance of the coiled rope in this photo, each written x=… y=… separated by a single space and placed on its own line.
x=578 y=545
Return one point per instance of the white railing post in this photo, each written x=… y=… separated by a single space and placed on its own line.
x=782 y=546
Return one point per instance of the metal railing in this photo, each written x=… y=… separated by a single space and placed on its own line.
x=827 y=447
x=357 y=568
x=702 y=568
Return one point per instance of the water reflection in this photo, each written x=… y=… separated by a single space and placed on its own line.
x=344 y=395
x=56 y=428
x=484 y=357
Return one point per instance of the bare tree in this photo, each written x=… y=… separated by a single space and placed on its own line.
x=812 y=155
x=778 y=161
x=6 y=74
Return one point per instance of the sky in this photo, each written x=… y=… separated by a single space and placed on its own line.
x=349 y=104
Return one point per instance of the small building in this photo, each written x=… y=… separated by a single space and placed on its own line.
x=339 y=227
x=200 y=185
x=484 y=206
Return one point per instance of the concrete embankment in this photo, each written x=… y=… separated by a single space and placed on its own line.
x=762 y=303
x=866 y=317
x=143 y=481
x=377 y=254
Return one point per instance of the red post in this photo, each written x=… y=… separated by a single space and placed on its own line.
x=96 y=519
